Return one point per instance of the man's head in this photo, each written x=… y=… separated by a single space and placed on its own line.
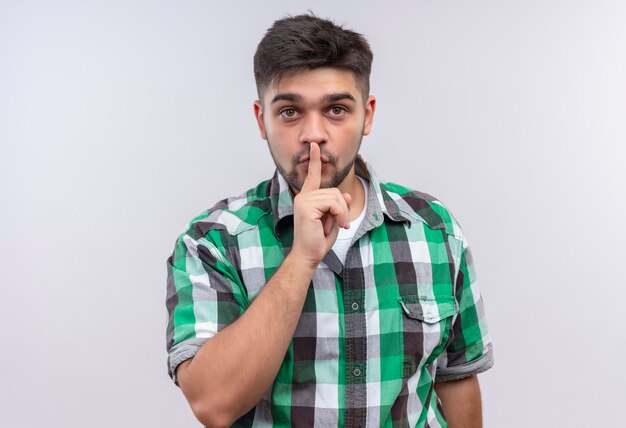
x=313 y=83
x=306 y=42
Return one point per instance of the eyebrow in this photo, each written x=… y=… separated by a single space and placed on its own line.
x=328 y=98
x=288 y=96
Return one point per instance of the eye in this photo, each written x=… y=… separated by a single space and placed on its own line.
x=289 y=113
x=337 y=111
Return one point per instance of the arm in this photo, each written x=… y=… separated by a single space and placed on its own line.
x=461 y=402
x=468 y=354
x=230 y=372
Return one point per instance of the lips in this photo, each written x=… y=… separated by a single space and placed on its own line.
x=323 y=158
x=304 y=164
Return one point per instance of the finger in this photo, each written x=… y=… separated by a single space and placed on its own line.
x=340 y=212
x=314 y=174
x=327 y=201
x=329 y=222
x=348 y=198
x=339 y=205
x=333 y=233
x=331 y=228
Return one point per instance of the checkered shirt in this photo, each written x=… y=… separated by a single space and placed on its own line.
x=375 y=334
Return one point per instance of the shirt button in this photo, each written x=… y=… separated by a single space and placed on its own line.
x=355 y=306
x=429 y=316
x=375 y=216
x=357 y=372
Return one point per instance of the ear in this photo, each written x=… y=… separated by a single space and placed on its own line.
x=258 y=114
x=370 y=108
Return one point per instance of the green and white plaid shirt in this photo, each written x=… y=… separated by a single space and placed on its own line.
x=375 y=334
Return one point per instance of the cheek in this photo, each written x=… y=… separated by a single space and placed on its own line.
x=349 y=132
x=279 y=133
x=282 y=144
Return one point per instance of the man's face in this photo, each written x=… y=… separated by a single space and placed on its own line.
x=324 y=106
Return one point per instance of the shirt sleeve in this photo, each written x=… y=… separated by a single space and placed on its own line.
x=203 y=297
x=470 y=350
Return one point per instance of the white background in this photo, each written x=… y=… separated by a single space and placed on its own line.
x=120 y=121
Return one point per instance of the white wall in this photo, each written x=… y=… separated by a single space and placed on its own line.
x=119 y=121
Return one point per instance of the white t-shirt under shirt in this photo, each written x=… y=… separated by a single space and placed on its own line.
x=344 y=239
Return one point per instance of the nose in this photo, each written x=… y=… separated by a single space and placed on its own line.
x=313 y=129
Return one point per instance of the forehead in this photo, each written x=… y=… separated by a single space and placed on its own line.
x=312 y=85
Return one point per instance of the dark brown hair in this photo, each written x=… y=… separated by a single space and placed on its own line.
x=306 y=42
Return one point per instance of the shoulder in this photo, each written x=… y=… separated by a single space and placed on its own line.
x=232 y=215
x=419 y=206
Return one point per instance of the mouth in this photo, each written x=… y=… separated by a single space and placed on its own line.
x=304 y=164
x=305 y=159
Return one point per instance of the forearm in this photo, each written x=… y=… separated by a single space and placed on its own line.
x=232 y=370
x=461 y=402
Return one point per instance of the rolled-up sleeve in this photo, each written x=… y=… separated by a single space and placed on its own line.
x=470 y=349
x=203 y=296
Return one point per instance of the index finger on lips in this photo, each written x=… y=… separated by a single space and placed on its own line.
x=314 y=174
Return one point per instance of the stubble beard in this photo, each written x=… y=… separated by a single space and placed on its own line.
x=295 y=183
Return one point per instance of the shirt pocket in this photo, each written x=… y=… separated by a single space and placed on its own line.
x=426 y=327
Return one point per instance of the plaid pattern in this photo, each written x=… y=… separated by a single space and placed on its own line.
x=374 y=335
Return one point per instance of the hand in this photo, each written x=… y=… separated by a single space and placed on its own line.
x=318 y=214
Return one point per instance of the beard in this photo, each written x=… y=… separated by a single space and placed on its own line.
x=337 y=177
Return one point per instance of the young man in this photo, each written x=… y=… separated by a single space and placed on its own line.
x=324 y=297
